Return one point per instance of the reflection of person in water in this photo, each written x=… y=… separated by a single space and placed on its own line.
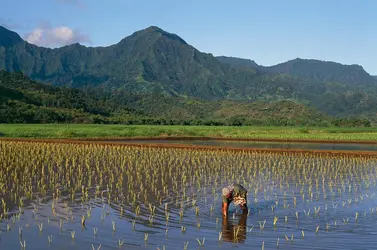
x=237 y=194
x=234 y=233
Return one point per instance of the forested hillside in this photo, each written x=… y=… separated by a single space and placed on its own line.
x=153 y=62
x=25 y=101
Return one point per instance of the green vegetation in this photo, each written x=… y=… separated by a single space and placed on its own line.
x=317 y=70
x=108 y=131
x=155 y=62
x=26 y=101
x=238 y=62
x=314 y=70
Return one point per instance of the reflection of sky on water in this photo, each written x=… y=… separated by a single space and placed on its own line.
x=273 y=198
x=239 y=230
x=255 y=144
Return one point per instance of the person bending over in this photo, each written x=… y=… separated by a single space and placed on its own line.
x=237 y=194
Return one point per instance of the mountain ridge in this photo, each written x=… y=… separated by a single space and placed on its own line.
x=298 y=66
x=9 y=38
x=153 y=61
x=240 y=62
x=153 y=28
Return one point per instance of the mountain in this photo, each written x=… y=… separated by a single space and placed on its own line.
x=313 y=70
x=150 y=61
x=24 y=100
x=324 y=71
x=153 y=62
x=239 y=62
x=9 y=38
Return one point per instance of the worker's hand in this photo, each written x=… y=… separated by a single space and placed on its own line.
x=239 y=201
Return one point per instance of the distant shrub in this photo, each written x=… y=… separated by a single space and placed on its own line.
x=1 y=134
x=304 y=130
x=352 y=122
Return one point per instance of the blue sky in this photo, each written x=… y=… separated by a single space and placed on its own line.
x=268 y=31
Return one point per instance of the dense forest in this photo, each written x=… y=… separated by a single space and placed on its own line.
x=25 y=101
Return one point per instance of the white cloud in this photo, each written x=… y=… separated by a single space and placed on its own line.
x=48 y=36
x=63 y=33
x=36 y=36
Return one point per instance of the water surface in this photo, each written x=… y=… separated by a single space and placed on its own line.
x=258 y=144
x=167 y=197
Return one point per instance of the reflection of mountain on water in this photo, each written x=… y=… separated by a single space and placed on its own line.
x=234 y=232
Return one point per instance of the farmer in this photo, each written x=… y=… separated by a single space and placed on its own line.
x=237 y=194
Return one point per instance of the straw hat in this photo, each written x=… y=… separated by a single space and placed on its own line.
x=227 y=190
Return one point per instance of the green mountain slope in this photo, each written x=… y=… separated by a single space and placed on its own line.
x=239 y=62
x=148 y=61
x=24 y=100
x=153 y=61
x=324 y=71
x=9 y=38
x=313 y=70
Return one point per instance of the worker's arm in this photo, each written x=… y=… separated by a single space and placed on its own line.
x=225 y=208
x=225 y=205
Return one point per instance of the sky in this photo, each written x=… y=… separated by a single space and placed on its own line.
x=267 y=31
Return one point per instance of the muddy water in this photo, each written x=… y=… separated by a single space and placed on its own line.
x=258 y=144
x=342 y=190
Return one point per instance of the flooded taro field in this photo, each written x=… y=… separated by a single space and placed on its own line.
x=93 y=196
x=257 y=144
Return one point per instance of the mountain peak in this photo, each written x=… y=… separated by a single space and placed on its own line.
x=154 y=30
x=8 y=38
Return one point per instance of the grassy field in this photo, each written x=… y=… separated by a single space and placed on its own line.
x=108 y=131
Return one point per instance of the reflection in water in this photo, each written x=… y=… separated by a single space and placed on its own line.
x=258 y=144
x=234 y=232
x=151 y=195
